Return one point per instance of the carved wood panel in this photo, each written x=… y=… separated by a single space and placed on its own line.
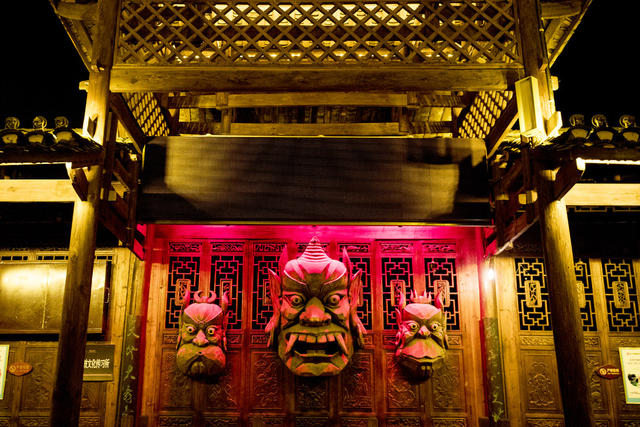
x=608 y=298
x=256 y=389
x=27 y=398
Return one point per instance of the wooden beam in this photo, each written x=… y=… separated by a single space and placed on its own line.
x=564 y=303
x=560 y=9
x=272 y=78
x=121 y=110
x=77 y=11
x=37 y=190
x=305 y=129
x=502 y=127
x=583 y=194
x=291 y=99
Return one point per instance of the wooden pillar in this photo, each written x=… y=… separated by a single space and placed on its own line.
x=563 y=300
x=67 y=391
x=533 y=49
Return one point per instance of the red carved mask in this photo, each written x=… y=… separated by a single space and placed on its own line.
x=421 y=340
x=315 y=321
x=201 y=339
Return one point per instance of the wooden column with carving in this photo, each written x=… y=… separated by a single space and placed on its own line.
x=563 y=298
x=67 y=392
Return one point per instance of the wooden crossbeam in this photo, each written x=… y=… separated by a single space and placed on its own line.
x=300 y=129
x=583 y=194
x=259 y=78
x=120 y=108
x=37 y=190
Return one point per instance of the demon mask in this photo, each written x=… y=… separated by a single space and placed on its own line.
x=421 y=341
x=314 y=312
x=201 y=340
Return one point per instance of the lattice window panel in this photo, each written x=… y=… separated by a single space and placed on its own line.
x=585 y=295
x=146 y=110
x=361 y=260
x=271 y=32
x=621 y=295
x=440 y=273
x=532 y=293
x=227 y=275
x=266 y=256
x=484 y=112
x=395 y=271
x=184 y=273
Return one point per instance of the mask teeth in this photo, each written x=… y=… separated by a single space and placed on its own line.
x=343 y=345
x=292 y=340
x=314 y=251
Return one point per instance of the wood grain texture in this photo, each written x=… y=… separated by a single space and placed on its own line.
x=261 y=78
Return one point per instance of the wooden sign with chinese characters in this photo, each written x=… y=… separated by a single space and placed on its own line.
x=98 y=362
x=608 y=372
x=20 y=368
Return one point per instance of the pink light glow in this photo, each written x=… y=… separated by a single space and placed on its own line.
x=304 y=232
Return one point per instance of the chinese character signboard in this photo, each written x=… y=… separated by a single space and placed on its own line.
x=630 y=362
x=4 y=357
x=98 y=362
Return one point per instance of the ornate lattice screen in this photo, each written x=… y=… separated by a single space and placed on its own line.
x=316 y=32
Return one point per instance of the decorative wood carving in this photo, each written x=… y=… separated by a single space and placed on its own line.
x=175 y=388
x=174 y=421
x=421 y=340
x=267 y=378
x=222 y=421
x=202 y=341
x=404 y=421
x=34 y=422
x=359 y=422
x=446 y=384
x=357 y=383
x=598 y=393
x=222 y=393
x=312 y=422
x=312 y=393
x=37 y=387
x=401 y=393
x=536 y=340
x=539 y=422
x=449 y=422
x=315 y=321
x=541 y=387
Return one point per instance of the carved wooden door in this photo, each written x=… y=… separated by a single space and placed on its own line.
x=609 y=306
x=257 y=389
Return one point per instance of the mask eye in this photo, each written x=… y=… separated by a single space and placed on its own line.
x=435 y=326
x=333 y=300
x=413 y=326
x=191 y=329
x=211 y=330
x=296 y=300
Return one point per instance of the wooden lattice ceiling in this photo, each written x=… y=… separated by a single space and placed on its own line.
x=379 y=68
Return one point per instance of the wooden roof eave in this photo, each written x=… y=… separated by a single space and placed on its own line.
x=563 y=18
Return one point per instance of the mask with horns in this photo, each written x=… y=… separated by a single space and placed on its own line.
x=314 y=323
x=202 y=336
x=421 y=340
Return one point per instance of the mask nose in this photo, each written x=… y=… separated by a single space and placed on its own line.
x=314 y=314
x=424 y=332
x=200 y=339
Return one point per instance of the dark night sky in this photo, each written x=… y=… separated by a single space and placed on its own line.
x=41 y=69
